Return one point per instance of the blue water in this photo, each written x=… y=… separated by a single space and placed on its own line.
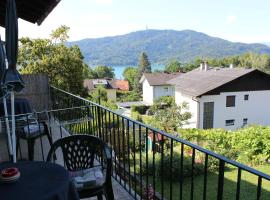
x=118 y=70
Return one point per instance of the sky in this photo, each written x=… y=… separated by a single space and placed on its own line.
x=235 y=20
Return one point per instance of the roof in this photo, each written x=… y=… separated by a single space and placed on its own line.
x=34 y=11
x=159 y=78
x=120 y=85
x=198 y=82
x=108 y=83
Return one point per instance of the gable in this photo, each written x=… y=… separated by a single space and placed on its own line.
x=253 y=81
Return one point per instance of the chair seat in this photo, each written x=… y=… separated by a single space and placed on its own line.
x=32 y=130
x=88 y=178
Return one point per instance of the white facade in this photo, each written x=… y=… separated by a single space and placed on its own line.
x=255 y=110
x=151 y=93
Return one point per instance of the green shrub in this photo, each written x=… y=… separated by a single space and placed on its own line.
x=141 y=109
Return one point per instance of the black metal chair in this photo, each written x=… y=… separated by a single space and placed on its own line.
x=30 y=128
x=85 y=152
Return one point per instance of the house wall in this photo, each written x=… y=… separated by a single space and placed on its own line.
x=193 y=108
x=148 y=92
x=256 y=109
x=159 y=91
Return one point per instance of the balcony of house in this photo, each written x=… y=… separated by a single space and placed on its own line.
x=146 y=163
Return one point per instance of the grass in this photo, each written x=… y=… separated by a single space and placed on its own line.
x=248 y=188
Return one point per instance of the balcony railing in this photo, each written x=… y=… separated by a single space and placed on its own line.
x=151 y=163
x=147 y=162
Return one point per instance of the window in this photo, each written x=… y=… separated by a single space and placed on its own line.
x=166 y=89
x=230 y=101
x=229 y=122
x=246 y=97
x=245 y=120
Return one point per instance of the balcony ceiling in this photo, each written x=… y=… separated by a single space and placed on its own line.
x=34 y=11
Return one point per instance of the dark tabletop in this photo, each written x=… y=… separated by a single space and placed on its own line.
x=39 y=181
x=22 y=106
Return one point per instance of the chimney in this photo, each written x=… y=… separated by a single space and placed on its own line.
x=231 y=66
x=205 y=66
x=201 y=66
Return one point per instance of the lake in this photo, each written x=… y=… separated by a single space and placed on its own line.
x=118 y=70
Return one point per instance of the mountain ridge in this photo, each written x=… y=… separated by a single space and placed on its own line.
x=160 y=46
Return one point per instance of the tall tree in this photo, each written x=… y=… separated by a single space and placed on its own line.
x=64 y=65
x=130 y=74
x=104 y=72
x=144 y=64
x=173 y=66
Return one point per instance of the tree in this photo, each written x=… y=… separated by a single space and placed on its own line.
x=144 y=64
x=130 y=74
x=104 y=72
x=168 y=116
x=173 y=66
x=63 y=65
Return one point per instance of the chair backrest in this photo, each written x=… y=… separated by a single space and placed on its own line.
x=79 y=151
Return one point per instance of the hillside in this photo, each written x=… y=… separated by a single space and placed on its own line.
x=160 y=46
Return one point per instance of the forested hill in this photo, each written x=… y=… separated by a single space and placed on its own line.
x=160 y=46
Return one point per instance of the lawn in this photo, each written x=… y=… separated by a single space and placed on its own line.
x=248 y=186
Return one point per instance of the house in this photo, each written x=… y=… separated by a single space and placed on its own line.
x=111 y=85
x=155 y=85
x=228 y=98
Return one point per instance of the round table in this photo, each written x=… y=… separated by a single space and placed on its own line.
x=39 y=180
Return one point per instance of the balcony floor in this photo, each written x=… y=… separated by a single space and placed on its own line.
x=119 y=192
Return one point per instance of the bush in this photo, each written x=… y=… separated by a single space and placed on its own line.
x=141 y=109
x=164 y=171
x=248 y=145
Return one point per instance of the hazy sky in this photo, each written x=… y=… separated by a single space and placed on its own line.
x=235 y=20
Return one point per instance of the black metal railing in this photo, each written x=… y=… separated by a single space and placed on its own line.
x=158 y=165
x=147 y=162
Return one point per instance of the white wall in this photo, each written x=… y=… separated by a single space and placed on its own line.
x=159 y=91
x=193 y=108
x=148 y=92
x=256 y=109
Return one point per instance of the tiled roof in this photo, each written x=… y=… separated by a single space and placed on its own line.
x=159 y=78
x=198 y=82
x=108 y=83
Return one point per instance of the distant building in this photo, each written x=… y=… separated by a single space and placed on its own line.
x=228 y=98
x=112 y=85
x=155 y=85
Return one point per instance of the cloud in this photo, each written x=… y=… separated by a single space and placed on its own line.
x=230 y=19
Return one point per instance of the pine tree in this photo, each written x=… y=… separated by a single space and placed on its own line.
x=144 y=64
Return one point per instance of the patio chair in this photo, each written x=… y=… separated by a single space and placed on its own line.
x=88 y=160
x=30 y=128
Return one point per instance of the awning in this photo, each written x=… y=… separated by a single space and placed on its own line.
x=34 y=11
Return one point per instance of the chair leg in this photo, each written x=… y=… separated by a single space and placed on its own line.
x=31 y=146
x=109 y=191
x=49 y=138
x=99 y=197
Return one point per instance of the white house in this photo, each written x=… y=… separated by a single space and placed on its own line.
x=227 y=98
x=155 y=85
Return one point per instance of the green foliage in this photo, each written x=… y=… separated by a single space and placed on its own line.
x=248 y=145
x=163 y=169
x=63 y=65
x=167 y=115
x=173 y=66
x=104 y=72
x=99 y=94
x=136 y=116
x=130 y=74
x=124 y=96
x=140 y=109
x=144 y=64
